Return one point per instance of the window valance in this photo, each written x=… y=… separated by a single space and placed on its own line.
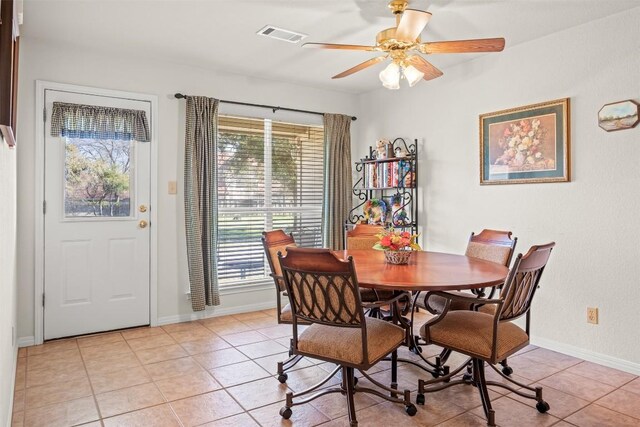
x=92 y=121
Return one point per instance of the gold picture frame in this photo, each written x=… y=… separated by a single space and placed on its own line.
x=528 y=144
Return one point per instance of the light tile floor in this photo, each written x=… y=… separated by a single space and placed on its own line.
x=220 y=372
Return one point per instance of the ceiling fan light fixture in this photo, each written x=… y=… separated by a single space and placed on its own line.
x=390 y=76
x=412 y=74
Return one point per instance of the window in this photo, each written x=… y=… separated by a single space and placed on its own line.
x=270 y=176
x=98 y=177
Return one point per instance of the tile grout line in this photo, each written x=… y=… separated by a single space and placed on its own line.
x=93 y=393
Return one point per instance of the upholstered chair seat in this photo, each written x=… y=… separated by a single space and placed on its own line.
x=472 y=333
x=345 y=345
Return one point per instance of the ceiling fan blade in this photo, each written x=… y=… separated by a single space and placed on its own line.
x=464 y=46
x=429 y=70
x=339 y=46
x=411 y=24
x=360 y=67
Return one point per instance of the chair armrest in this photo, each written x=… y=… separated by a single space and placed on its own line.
x=378 y=304
x=463 y=297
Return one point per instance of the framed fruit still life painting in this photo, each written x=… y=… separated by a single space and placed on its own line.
x=528 y=144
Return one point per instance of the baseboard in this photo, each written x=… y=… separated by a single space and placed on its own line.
x=26 y=341
x=215 y=312
x=591 y=356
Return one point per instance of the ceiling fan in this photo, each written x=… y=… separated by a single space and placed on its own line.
x=403 y=46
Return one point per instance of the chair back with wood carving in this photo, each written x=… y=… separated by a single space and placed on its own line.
x=322 y=288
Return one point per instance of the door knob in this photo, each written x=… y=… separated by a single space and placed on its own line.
x=143 y=224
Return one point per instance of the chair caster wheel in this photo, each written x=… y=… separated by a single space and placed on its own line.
x=285 y=412
x=355 y=380
x=467 y=378
x=411 y=410
x=507 y=370
x=283 y=378
x=542 y=406
x=420 y=399
x=435 y=374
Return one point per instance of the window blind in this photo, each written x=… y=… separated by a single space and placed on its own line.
x=270 y=176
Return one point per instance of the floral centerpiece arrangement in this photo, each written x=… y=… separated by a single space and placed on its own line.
x=397 y=245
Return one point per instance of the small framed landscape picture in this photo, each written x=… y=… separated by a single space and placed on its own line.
x=527 y=144
x=618 y=115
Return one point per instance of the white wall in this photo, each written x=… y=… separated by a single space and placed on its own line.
x=68 y=64
x=7 y=278
x=593 y=219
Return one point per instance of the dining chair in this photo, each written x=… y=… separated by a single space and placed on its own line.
x=489 y=245
x=489 y=337
x=323 y=291
x=364 y=236
x=273 y=242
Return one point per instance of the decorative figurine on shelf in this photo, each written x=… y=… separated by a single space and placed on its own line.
x=400 y=152
x=375 y=211
x=381 y=149
x=399 y=215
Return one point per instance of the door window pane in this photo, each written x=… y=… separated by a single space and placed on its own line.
x=98 y=178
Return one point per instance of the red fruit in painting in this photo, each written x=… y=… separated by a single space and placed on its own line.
x=405 y=234
x=385 y=241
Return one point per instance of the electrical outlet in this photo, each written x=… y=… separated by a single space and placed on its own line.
x=592 y=315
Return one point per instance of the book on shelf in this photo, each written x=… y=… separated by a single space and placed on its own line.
x=398 y=174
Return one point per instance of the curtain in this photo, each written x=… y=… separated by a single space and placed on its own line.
x=200 y=199
x=337 y=179
x=92 y=121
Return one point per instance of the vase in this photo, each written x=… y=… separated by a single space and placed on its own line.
x=397 y=257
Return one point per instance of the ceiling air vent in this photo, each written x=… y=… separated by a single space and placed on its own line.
x=281 y=34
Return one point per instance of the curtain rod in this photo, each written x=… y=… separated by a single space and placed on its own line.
x=274 y=109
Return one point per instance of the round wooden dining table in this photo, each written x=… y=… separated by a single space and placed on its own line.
x=426 y=271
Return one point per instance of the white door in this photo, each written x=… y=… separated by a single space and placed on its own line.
x=97 y=240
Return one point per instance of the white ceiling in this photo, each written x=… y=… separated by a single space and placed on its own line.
x=221 y=34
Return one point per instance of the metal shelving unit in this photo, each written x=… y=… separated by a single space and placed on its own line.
x=408 y=195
